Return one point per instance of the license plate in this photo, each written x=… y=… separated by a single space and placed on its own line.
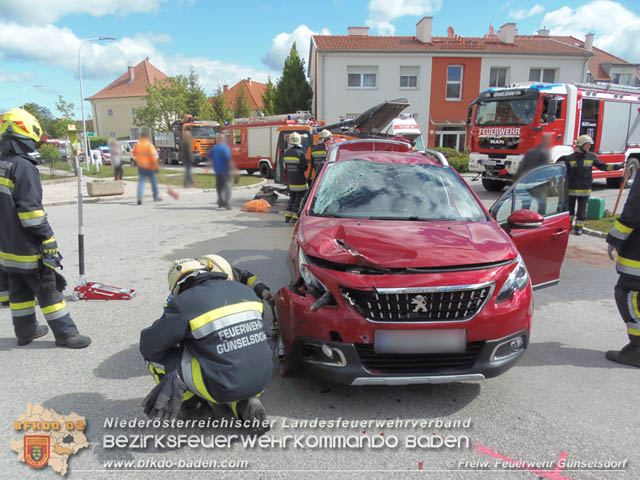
x=489 y=163
x=421 y=341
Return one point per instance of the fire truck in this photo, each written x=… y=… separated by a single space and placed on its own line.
x=504 y=123
x=254 y=141
x=203 y=134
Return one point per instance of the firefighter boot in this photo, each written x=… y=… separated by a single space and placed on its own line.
x=40 y=331
x=5 y=304
x=251 y=410
x=578 y=230
x=629 y=355
x=74 y=341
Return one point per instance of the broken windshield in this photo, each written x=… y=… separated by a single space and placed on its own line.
x=394 y=191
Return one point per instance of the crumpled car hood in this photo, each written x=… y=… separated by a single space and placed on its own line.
x=403 y=244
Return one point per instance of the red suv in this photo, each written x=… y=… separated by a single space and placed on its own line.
x=400 y=275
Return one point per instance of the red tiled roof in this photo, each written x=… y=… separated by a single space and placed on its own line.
x=599 y=57
x=488 y=43
x=144 y=74
x=253 y=91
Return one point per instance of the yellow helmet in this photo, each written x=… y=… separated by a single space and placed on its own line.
x=20 y=123
x=180 y=270
x=582 y=139
x=216 y=263
x=325 y=134
x=295 y=139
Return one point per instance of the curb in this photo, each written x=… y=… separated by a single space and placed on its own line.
x=59 y=180
x=594 y=233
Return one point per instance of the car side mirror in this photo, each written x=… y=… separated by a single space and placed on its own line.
x=525 y=219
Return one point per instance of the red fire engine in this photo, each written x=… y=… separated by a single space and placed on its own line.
x=504 y=123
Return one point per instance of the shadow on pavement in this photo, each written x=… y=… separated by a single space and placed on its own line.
x=123 y=365
x=7 y=344
x=555 y=353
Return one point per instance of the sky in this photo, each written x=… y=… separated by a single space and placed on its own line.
x=226 y=41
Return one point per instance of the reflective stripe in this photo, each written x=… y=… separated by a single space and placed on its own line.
x=22 y=305
x=252 y=280
x=292 y=159
x=4 y=296
x=32 y=214
x=192 y=376
x=23 y=262
x=588 y=163
x=317 y=153
x=628 y=266
x=220 y=312
x=234 y=408
x=634 y=308
x=572 y=163
x=579 y=223
x=54 y=308
x=6 y=182
x=5 y=189
x=57 y=313
x=298 y=187
x=49 y=240
x=33 y=222
x=225 y=322
x=294 y=216
x=580 y=192
x=23 y=313
x=288 y=214
x=620 y=231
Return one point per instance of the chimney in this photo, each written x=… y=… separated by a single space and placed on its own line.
x=588 y=42
x=543 y=32
x=423 y=29
x=132 y=74
x=358 y=31
x=507 y=33
x=249 y=80
x=225 y=88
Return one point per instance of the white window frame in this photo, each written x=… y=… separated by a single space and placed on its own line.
x=110 y=112
x=541 y=76
x=454 y=82
x=506 y=76
x=417 y=76
x=112 y=134
x=133 y=111
x=364 y=70
x=460 y=138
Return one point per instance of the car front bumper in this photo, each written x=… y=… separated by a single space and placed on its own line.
x=482 y=162
x=358 y=364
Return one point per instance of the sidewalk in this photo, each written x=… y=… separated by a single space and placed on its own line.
x=65 y=192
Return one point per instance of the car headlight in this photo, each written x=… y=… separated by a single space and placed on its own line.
x=314 y=286
x=517 y=280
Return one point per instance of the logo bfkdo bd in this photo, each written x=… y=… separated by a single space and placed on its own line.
x=37 y=450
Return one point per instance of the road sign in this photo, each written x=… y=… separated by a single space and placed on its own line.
x=91 y=134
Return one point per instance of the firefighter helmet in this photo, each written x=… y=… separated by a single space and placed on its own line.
x=295 y=139
x=182 y=269
x=324 y=134
x=216 y=263
x=582 y=139
x=20 y=123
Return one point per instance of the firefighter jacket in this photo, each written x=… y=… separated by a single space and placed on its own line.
x=580 y=171
x=217 y=326
x=24 y=224
x=625 y=237
x=295 y=162
x=318 y=156
x=145 y=154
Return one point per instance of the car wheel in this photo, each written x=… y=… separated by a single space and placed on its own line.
x=265 y=171
x=251 y=171
x=491 y=185
x=634 y=168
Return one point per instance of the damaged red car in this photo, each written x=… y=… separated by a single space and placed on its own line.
x=400 y=275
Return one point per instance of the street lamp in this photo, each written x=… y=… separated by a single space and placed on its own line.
x=81 y=280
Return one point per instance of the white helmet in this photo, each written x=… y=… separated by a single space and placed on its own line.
x=216 y=263
x=324 y=134
x=180 y=270
x=295 y=139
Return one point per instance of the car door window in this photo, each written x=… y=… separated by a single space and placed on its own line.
x=541 y=190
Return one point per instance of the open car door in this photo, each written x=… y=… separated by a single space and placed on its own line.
x=543 y=241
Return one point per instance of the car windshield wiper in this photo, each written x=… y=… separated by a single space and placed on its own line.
x=326 y=215
x=410 y=218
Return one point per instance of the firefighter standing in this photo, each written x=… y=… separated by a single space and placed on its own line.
x=210 y=344
x=295 y=162
x=580 y=177
x=28 y=249
x=319 y=155
x=625 y=238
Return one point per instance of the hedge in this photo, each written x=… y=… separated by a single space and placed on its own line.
x=95 y=142
x=458 y=160
x=49 y=152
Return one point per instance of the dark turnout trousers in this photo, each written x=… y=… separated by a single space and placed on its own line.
x=4 y=286
x=581 y=213
x=23 y=291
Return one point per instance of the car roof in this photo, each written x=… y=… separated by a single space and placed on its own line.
x=411 y=157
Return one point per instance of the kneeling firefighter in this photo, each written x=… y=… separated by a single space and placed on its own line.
x=210 y=344
x=28 y=250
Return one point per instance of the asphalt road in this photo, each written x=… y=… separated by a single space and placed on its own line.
x=563 y=398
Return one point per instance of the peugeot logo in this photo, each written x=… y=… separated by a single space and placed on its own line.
x=420 y=303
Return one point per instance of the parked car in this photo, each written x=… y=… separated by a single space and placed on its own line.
x=106 y=154
x=126 y=147
x=400 y=275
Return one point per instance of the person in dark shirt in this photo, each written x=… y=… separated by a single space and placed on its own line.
x=536 y=157
x=186 y=155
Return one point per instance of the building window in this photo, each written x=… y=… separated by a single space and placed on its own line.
x=237 y=136
x=112 y=134
x=408 y=77
x=590 y=78
x=133 y=112
x=110 y=112
x=498 y=77
x=622 y=78
x=546 y=75
x=362 y=77
x=454 y=82
x=451 y=137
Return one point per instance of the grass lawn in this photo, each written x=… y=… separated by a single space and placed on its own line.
x=45 y=176
x=603 y=225
x=106 y=171
x=203 y=180
x=57 y=165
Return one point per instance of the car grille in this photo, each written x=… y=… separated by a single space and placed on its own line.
x=499 y=143
x=429 y=305
x=387 y=363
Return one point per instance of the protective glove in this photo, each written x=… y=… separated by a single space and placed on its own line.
x=618 y=166
x=50 y=246
x=266 y=295
x=611 y=252
x=164 y=401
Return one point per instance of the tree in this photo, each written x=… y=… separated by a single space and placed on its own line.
x=42 y=114
x=268 y=98
x=221 y=111
x=58 y=128
x=293 y=92
x=242 y=108
x=196 y=102
x=165 y=103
